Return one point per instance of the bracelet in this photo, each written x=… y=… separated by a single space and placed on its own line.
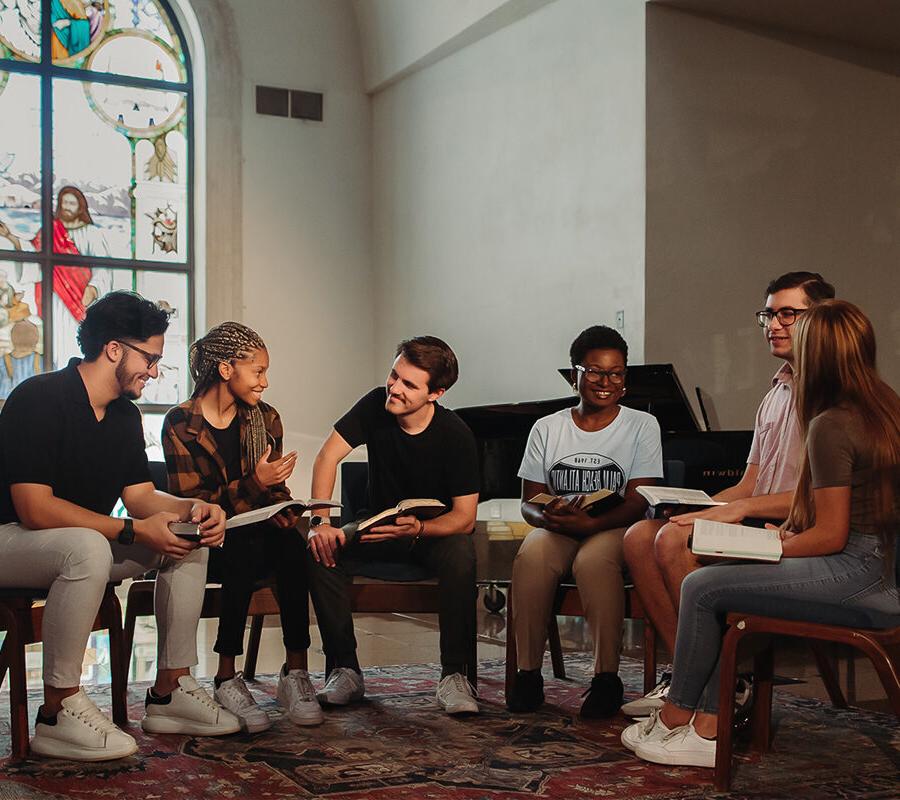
x=421 y=529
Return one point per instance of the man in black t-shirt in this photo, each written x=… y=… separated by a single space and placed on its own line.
x=416 y=449
x=71 y=444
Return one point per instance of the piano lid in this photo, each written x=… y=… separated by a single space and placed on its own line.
x=655 y=388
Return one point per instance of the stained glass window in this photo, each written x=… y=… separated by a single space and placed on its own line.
x=95 y=163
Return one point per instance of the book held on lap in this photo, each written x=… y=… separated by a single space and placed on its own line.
x=190 y=530
x=420 y=508
x=594 y=503
x=666 y=495
x=726 y=540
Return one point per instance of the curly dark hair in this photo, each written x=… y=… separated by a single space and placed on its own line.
x=116 y=316
x=597 y=337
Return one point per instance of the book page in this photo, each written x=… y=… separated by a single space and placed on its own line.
x=266 y=512
x=658 y=495
x=735 y=541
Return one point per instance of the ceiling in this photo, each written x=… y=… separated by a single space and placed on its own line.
x=872 y=24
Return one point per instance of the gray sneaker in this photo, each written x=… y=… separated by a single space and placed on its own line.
x=297 y=694
x=344 y=685
x=456 y=695
x=234 y=695
x=654 y=699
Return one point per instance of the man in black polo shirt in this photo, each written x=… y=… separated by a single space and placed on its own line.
x=71 y=444
x=416 y=449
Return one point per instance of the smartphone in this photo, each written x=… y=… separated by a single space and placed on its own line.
x=186 y=530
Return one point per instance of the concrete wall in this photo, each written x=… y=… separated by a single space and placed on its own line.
x=508 y=183
x=766 y=152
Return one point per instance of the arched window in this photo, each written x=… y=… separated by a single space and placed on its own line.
x=95 y=178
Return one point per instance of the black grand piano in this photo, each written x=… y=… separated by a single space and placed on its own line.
x=695 y=458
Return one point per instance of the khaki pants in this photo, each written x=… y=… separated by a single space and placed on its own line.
x=75 y=564
x=596 y=564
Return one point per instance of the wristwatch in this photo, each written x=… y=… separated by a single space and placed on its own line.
x=126 y=536
x=315 y=520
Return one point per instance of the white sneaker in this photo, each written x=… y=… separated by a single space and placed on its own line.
x=682 y=746
x=189 y=710
x=644 y=730
x=81 y=733
x=655 y=698
x=456 y=695
x=297 y=694
x=344 y=685
x=234 y=695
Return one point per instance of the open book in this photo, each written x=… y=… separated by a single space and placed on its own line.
x=725 y=540
x=666 y=495
x=419 y=508
x=594 y=503
x=190 y=530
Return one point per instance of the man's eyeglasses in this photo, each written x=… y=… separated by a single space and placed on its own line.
x=591 y=375
x=152 y=359
x=786 y=316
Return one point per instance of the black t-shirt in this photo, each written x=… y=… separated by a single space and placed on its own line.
x=49 y=435
x=440 y=462
x=228 y=443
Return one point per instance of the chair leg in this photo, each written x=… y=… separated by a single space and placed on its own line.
x=829 y=674
x=111 y=617
x=761 y=714
x=553 y=640
x=13 y=655
x=725 y=729
x=512 y=656
x=256 y=626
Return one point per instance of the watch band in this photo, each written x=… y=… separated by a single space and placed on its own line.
x=126 y=536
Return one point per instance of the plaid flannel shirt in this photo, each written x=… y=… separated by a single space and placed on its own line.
x=197 y=470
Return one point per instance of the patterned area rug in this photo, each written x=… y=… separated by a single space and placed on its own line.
x=399 y=745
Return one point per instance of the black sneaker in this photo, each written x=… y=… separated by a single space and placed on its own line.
x=527 y=692
x=604 y=697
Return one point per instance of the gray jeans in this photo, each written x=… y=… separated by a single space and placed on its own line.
x=75 y=564
x=855 y=577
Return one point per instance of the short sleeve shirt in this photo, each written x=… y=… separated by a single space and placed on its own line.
x=50 y=435
x=569 y=460
x=440 y=462
x=777 y=446
x=840 y=454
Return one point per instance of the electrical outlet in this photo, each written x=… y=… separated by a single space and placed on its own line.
x=620 y=320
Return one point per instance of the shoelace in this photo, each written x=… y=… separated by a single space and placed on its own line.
x=94 y=718
x=238 y=690
x=651 y=722
x=303 y=686
x=461 y=684
x=199 y=694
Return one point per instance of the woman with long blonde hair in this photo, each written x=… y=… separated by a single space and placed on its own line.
x=839 y=541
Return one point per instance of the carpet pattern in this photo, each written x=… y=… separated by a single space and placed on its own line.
x=399 y=745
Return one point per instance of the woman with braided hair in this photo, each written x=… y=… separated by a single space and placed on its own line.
x=224 y=446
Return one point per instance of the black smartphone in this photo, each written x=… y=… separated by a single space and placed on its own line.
x=186 y=530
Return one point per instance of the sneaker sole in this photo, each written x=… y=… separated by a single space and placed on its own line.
x=256 y=727
x=466 y=709
x=188 y=727
x=49 y=748
x=676 y=759
x=325 y=700
x=641 y=708
x=306 y=720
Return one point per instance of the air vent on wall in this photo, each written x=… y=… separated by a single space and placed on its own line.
x=289 y=103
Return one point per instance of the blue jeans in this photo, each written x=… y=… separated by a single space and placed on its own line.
x=855 y=577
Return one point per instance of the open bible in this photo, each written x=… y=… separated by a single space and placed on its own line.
x=420 y=508
x=666 y=495
x=190 y=530
x=726 y=540
x=594 y=503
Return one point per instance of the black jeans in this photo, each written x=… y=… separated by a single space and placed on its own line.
x=451 y=559
x=250 y=554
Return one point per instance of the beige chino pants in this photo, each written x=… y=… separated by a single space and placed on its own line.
x=75 y=564
x=596 y=565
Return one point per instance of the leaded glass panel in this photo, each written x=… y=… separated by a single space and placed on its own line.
x=120 y=176
x=20 y=29
x=21 y=329
x=20 y=160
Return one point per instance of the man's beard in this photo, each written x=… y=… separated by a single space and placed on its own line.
x=125 y=380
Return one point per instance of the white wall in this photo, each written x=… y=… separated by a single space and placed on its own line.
x=767 y=152
x=509 y=197
x=307 y=282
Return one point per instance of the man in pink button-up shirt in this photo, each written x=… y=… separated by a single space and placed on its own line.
x=657 y=552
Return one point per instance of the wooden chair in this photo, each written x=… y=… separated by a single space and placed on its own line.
x=876 y=635
x=568 y=604
x=21 y=616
